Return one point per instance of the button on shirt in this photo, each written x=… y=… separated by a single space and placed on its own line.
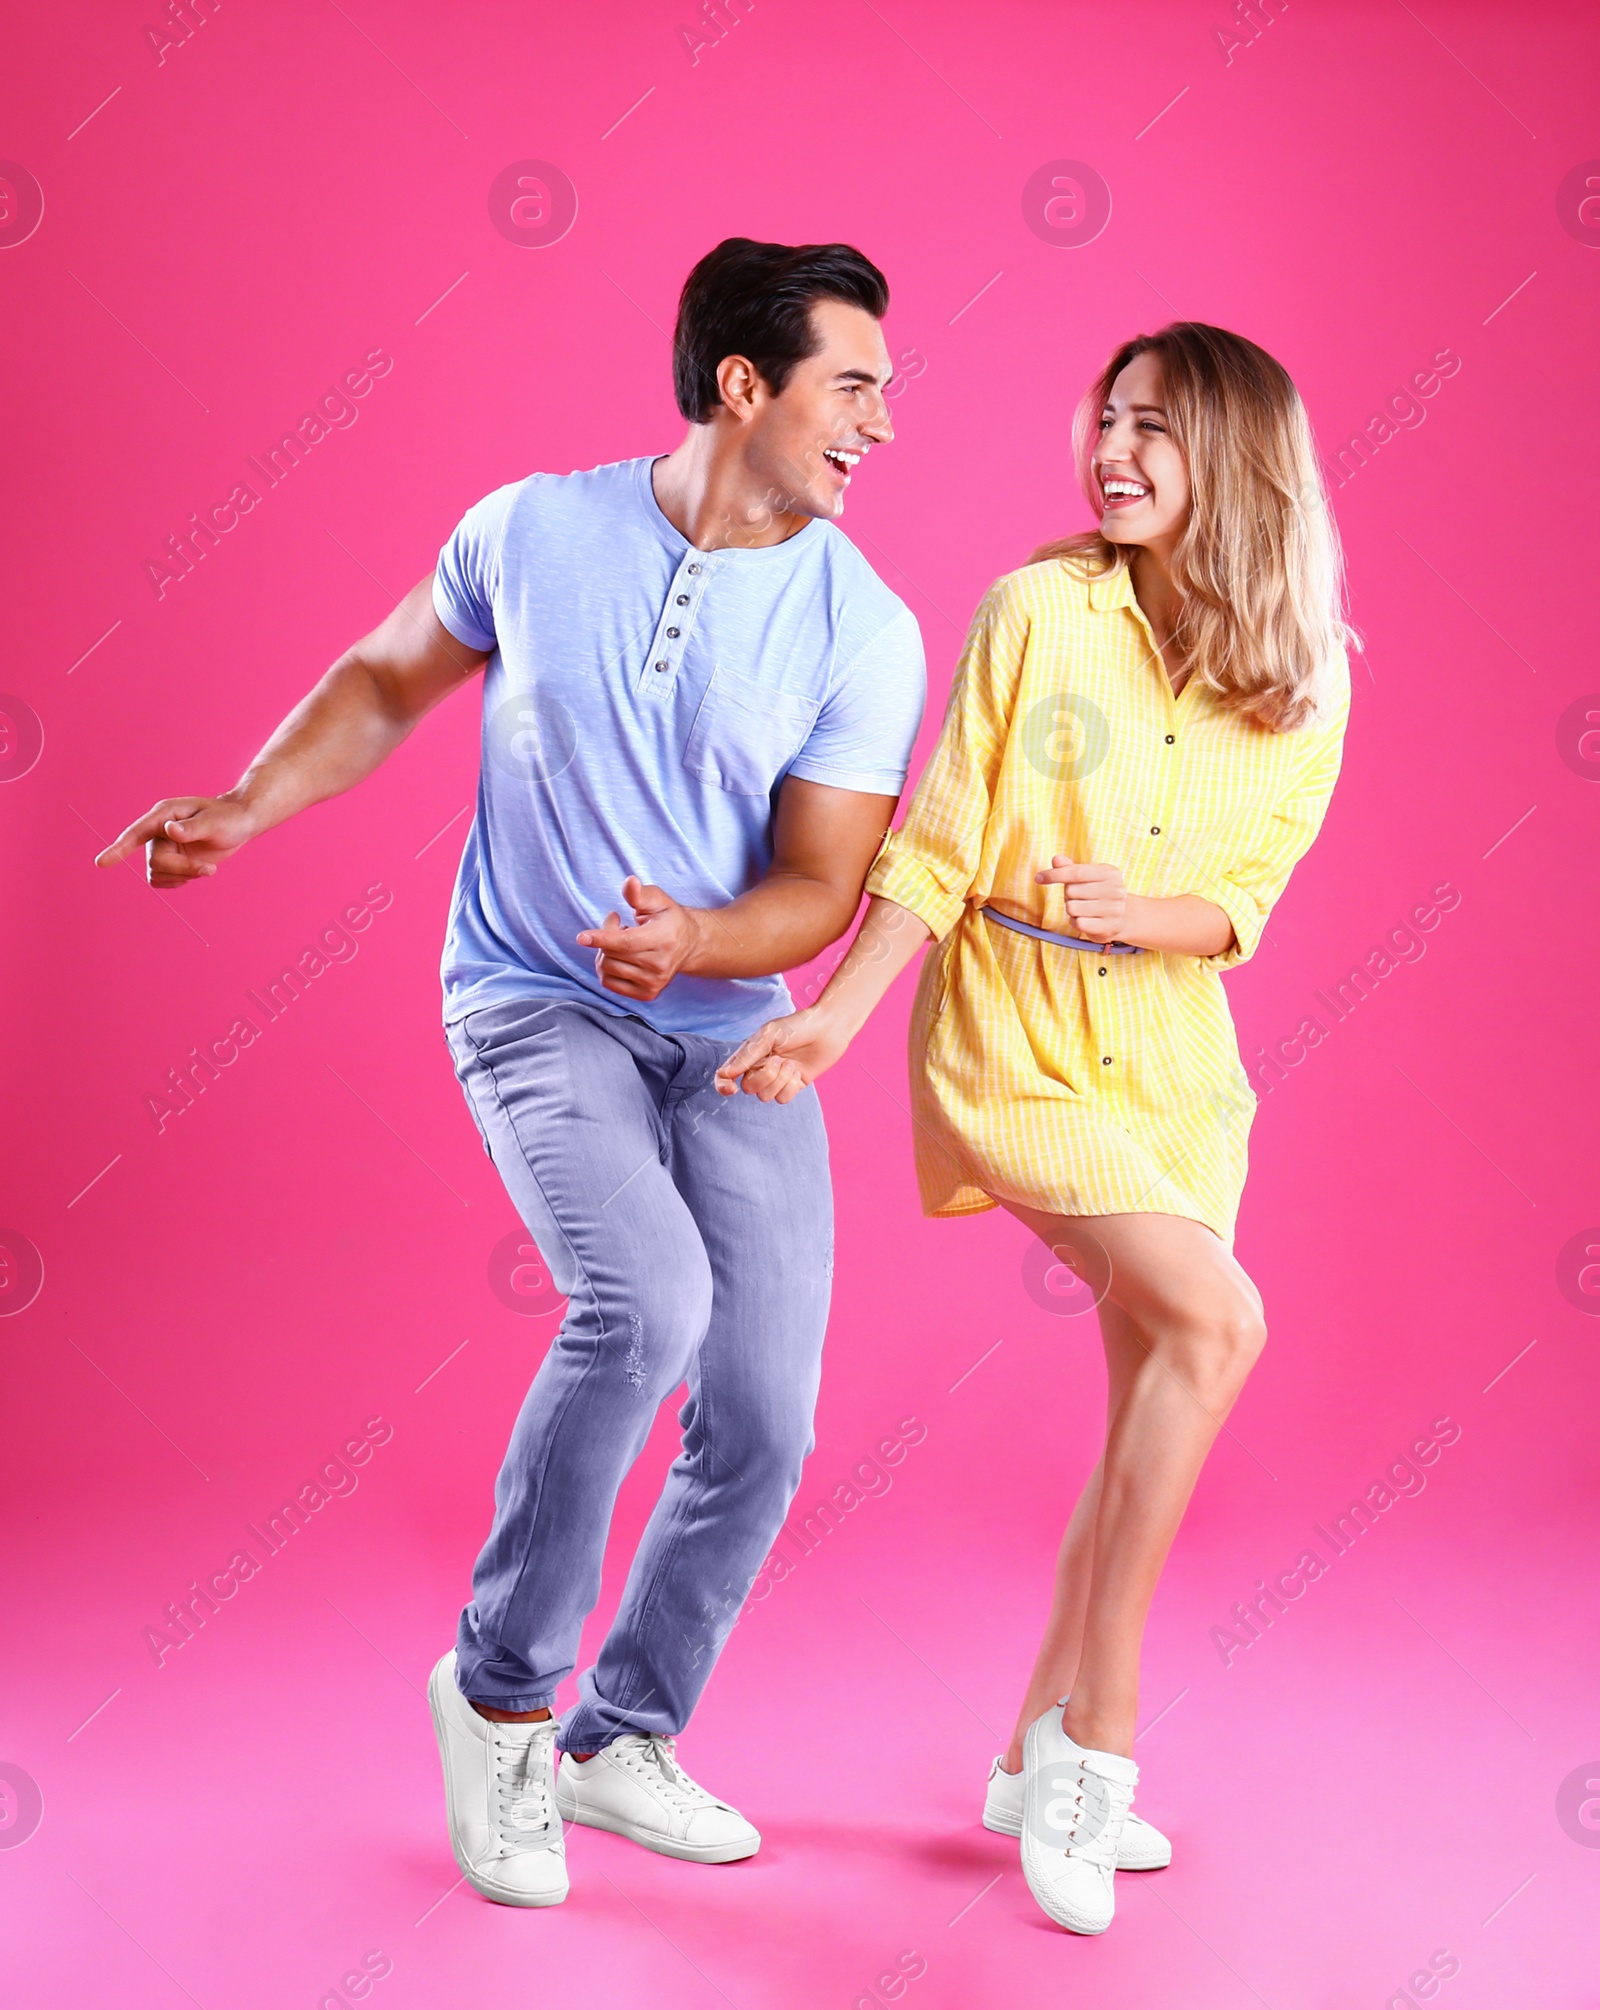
x=1048 y=1075
x=642 y=704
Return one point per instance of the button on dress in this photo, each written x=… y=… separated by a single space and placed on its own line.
x=1066 y=1080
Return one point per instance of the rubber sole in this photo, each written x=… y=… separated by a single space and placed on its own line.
x=479 y=1884
x=662 y=1845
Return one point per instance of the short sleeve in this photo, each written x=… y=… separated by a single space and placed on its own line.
x=931 y=863
x=863 y=735
x=1250 y=885
x=466 y=580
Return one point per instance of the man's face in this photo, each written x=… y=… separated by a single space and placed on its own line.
x=803 y=443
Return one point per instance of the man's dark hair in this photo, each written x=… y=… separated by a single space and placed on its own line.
x=751 y=299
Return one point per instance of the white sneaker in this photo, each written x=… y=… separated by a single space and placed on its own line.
x=499 y=1794
x=1074 y=1804
x=636 y=1788
x=1143 y=1846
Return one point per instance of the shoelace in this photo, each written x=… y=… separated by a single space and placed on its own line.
x=520 y=1757
x=1098 y=1820
x=655 y=1760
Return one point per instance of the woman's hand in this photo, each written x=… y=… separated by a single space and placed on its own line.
x=784 y=1056
x=787 y=1055
x=1097 y=897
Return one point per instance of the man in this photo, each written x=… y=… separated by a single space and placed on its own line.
x=699 y=691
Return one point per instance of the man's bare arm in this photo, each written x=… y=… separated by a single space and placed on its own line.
x=823 y=842
x=344 y=728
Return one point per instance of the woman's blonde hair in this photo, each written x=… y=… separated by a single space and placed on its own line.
x=1258 y=562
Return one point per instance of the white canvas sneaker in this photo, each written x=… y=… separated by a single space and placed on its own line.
x=499 y=1794
x=636 y=1788
x=1074 y=1805
x=1143 y=1846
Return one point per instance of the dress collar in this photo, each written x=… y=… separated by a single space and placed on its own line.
x=1108 y=590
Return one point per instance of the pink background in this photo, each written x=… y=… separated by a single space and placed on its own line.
x=226 y=1301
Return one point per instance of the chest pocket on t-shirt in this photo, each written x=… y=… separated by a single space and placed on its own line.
x=744 y=736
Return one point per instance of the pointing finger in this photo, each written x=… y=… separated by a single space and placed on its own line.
x=133 y=839
x=591 y=938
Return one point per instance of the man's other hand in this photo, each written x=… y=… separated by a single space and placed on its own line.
x=640 y=960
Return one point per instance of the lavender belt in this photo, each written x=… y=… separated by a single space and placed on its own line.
x=1064 y=941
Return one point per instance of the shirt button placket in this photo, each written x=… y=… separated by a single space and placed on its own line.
x=666 y=662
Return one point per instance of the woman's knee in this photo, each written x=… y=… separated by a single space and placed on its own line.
x=1220 y=1346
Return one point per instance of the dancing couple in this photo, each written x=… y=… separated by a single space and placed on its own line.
x=699 y=705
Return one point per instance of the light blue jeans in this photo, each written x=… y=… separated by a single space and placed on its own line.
x=693 y=1234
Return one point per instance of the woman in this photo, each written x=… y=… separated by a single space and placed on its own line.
x=1142 y=738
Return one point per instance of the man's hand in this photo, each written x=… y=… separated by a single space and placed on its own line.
x=784 y=1056
x=640 y=960
x=1097 y=898
x=184 y=838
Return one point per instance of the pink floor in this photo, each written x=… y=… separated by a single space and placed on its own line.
x=1372 y=1784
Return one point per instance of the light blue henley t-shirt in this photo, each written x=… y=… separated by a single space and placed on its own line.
x=642 y=704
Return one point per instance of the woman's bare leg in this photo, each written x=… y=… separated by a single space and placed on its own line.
x=1056 y=1663
x=1190 y=1330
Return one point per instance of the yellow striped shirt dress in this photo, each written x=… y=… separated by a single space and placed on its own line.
x=1086 y=1082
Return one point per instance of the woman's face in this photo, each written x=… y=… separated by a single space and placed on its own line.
x=1139 y=471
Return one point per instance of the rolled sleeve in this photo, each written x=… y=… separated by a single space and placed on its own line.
x=1249 y=918
x=906 y=881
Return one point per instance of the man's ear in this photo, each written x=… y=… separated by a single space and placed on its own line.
x=741 y=385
